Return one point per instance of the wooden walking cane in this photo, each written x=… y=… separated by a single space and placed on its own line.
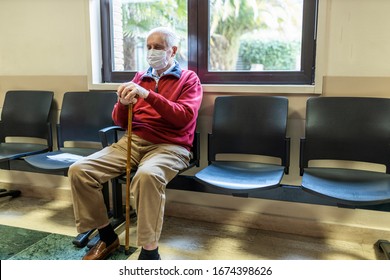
x=128 y=179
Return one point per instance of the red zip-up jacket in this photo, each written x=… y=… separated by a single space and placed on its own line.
x=169 y=113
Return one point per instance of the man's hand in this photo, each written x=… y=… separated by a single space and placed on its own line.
x=128 y=93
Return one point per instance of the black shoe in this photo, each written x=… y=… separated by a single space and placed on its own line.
x=149 y=255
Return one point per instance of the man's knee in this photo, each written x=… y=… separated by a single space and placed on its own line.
x=145 y=174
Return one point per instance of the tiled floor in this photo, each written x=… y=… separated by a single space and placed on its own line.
x=25 y=244
x=187 y=239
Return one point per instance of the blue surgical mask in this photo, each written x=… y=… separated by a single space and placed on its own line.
x=157 y=59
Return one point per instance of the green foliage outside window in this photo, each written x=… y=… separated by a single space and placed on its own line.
x=272 y=54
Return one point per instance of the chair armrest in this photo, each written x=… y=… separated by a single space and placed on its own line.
x=106 y=132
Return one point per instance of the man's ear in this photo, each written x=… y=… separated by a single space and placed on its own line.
x=174 y=50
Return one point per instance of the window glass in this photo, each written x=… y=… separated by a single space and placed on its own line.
x=133 y=19
x=223 y=41
x=255 y=35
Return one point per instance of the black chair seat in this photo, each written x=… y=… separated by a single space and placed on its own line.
x=11 y=151
x=241 y=175
x=247 y=126
x=79 y=123
x=46 y=162
x=355 y=187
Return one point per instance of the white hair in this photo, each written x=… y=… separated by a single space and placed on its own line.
x=170 y=36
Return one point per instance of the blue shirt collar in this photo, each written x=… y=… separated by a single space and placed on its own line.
x=174 y=70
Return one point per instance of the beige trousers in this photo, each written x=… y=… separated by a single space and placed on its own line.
x=156 y=164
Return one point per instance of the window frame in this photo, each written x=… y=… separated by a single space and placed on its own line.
x=198 y=51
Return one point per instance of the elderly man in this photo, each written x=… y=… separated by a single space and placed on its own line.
x=166 y=101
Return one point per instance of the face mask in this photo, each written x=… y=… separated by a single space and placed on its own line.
x=157 y=59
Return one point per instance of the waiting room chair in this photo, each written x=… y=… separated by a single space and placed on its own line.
x=348 y=129
x=82 y=115
x=25 y=128
x=250 y=126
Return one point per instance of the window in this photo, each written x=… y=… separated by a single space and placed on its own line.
x=223 y=41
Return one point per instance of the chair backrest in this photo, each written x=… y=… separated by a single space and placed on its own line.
x=26 y=113
x=347 y=128
x=83 y=114
x=250 y=125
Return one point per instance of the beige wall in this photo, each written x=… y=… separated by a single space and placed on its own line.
x=45 y=44
x=43 y=37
